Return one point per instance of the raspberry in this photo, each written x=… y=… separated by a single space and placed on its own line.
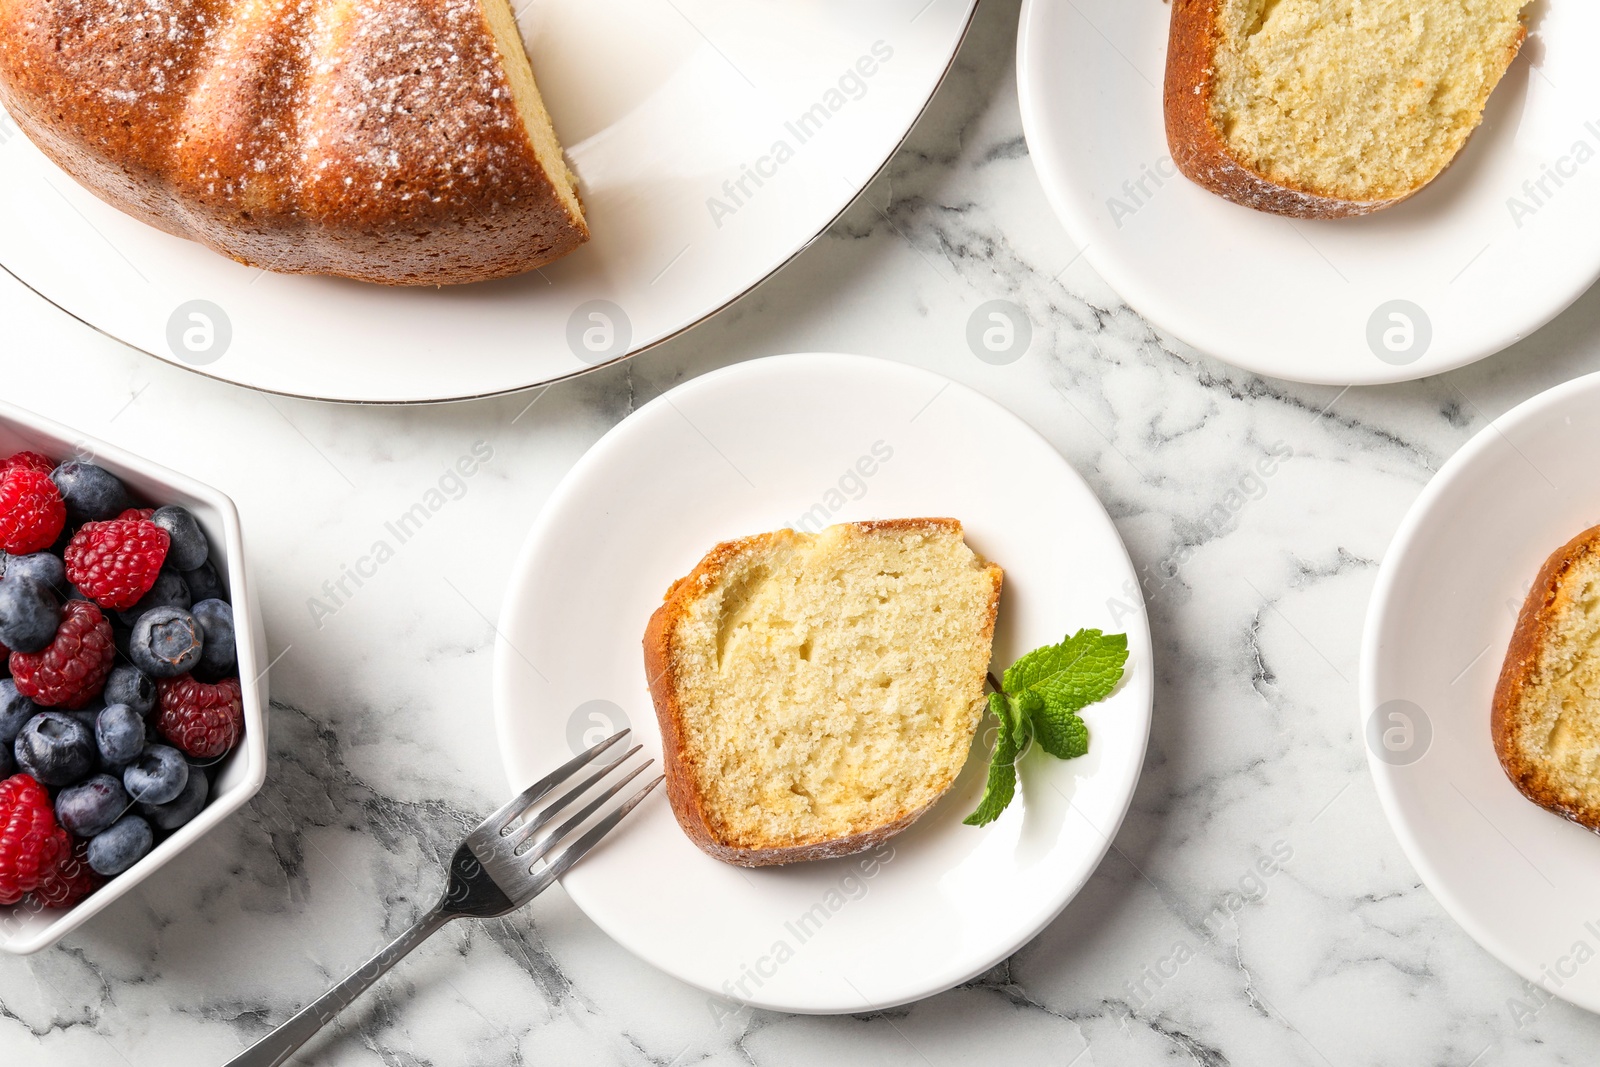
x=32 y=461
x=205 y=721
x=31 y=844
x=31 y=511
x=71 y=880
x=73 y=668
x=137 y=513
x=115 y=563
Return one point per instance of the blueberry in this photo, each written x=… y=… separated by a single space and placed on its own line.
x=157 y=776
x=45 y=567
x=8 y=766
x=170 y=591
x=92 y=807
x=15 y=711
x=166 y=642
x=119 y=734
x=129 y=685
x=29 y=614
x=91 y=493
x=204 y=583
x=175 y=813
x=189 y=548
x=217 y=657
x=115 y=850
x=55 y=748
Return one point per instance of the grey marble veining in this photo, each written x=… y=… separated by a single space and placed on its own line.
x=1255 y=908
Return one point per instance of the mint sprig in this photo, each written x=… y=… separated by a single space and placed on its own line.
x=1041 y=695
x=1002 y=784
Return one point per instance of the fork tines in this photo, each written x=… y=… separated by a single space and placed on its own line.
x=513 y=840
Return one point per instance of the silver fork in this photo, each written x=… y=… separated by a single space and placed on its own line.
x=491 y=874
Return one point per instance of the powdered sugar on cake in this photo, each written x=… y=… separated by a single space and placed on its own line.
x=365 y=138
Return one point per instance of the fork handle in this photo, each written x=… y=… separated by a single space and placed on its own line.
x=282 y=1043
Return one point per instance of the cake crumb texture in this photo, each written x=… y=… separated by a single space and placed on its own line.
x=1364 y=100
x=827 y=686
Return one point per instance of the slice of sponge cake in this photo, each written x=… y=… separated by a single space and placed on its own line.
x=818 y=692
x=1326 y=108
x=1546 y=715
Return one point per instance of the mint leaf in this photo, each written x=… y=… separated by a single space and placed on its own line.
x=1059 y=730
x=1042 y=695
x=1002 y=784
x=1064 y=678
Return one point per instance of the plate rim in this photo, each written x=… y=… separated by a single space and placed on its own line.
x=1145 y=675
x=794 y=254
x=1450 y=473
x=1147 y=302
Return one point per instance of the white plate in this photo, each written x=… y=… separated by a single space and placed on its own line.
x=754 y=447
x=659 y=105
x=1315 y=301
x=1523 y=882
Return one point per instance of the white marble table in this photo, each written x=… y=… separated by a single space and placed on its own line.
x=383 y=747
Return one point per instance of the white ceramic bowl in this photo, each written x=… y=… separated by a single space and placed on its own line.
x=240 y=775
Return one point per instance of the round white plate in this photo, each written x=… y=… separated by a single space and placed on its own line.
x=1523 y=882
x=713 y=138
x=758 y=446
x=1493 y=249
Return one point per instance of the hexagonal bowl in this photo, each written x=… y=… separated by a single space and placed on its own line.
x=25 y=930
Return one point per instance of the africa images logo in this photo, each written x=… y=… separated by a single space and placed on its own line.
x=1138 y=191
x=1399 y=332
x=1538 y=191
x=199 y=332
x=851 y=85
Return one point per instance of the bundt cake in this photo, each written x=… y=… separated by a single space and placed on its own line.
x=393 y=141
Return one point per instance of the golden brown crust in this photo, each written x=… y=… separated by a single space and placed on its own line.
x=687 y=804
x=1199 y=148
x=1540 y=608
x=1201 y=151
x=403 y=161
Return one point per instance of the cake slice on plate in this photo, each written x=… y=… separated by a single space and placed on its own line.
x=395 y=141
x=1329 y=108
x=1546 y=715
x=818 y=692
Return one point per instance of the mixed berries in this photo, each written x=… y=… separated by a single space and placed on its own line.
x=119 y=687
